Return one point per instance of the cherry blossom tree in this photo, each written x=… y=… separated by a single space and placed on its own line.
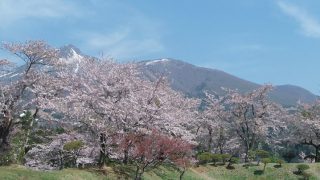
x=148 y=151
x=183 y=158
x=213 y=123
x=88 y=98
x=110 y=98
x=62 y=150
x=253 y=117
x=306 y=127
x=241 y=120
x=16 y=95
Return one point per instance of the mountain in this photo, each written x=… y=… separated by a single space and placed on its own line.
x=68 y=53
x=189 y=79
x=193 y=80
x=289 y=95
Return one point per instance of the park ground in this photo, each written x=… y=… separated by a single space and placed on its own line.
x=206 y=172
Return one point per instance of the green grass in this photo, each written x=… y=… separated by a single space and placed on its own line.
x=21 y=173
x=197 y=173
x=254 y=172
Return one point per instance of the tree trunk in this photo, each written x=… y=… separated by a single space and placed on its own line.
x=221 y=140
x=4 y=138
x=103 y=159
x=317 y=159
x=139 y=173
x=221 y=149
x=210 y=139
x=4 y=135
x=139 y=176
x=182 y=173
x=5 y=128
x=126 y=156
x=229 y=164
x=61 y=163
x=246 y=158
x=26 y=147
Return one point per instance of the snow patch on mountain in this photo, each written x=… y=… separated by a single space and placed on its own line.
x=16 y=74
x=75 y=55
x=72 y=57
x=4 y=75
x=157 y=61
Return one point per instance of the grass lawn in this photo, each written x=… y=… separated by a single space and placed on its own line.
x=15 y=172
x=254 y=172
x=206 y=172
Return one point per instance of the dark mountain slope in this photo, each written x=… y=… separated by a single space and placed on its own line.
x=193 y=80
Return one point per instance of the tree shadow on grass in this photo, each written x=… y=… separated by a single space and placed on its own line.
x=305 y=176
x=230 y=167
x=277 y=166
x=214 y=165
x=258 y=172
x=297 y=173
x=247 y=165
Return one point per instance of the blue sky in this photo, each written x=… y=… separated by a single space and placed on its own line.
x=264 y=41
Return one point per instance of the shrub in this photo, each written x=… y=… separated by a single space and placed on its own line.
x=280 y=162
x=73 y=145
x=225 y=157
x=59 y=130
x=251 y=155
x=261 y=154
x=6 y=158
x=265 y=161
x=273 y=159
x=302 y=167
x=216 y=158
x=72 y=149
x=204 y=157
x=232 y=160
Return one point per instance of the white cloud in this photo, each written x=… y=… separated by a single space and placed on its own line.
x=115 y=28
x=107 y=40
x=310 y=26
x=123 y=44
x=134 y=36
x=12 y=11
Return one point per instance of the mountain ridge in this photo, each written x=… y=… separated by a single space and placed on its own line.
x=193 y=80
